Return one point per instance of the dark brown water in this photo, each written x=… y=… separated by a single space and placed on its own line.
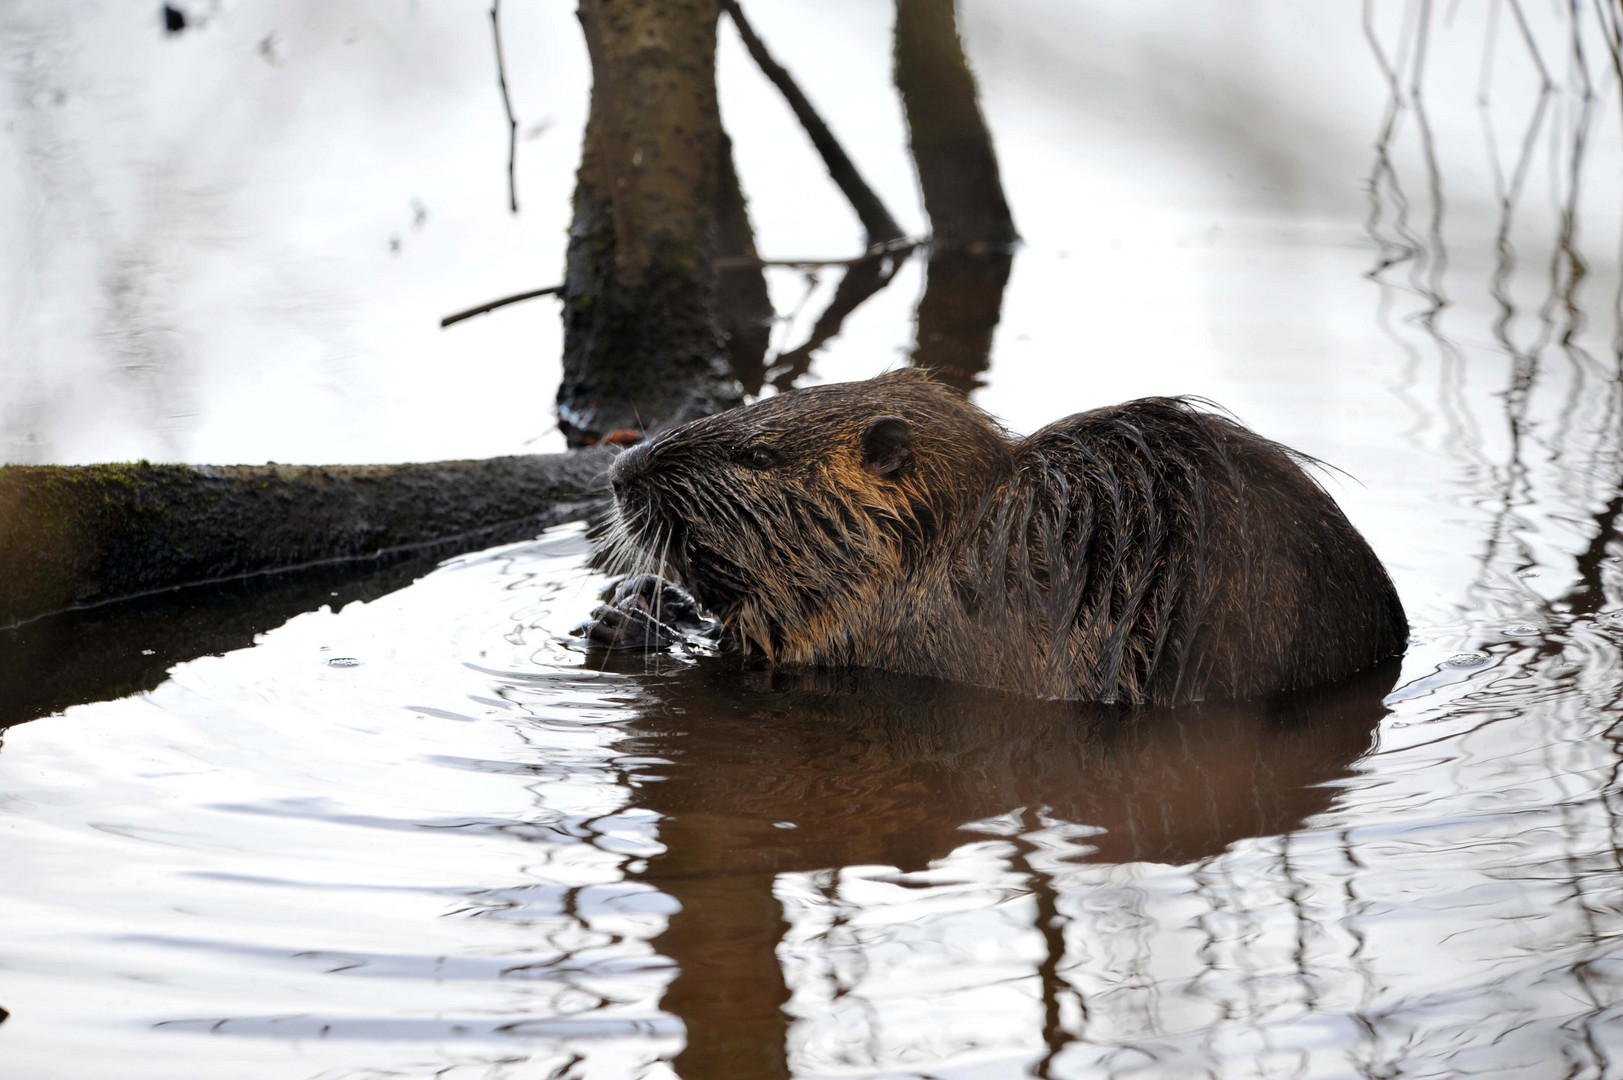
x=390 y=825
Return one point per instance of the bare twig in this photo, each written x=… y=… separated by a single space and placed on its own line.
x=507 y=103
x=876 y=220
x=450 y=320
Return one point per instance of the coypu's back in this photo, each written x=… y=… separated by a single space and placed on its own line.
x=1166 y=554
x=1144 y=553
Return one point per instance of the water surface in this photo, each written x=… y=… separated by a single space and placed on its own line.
x=391 y=825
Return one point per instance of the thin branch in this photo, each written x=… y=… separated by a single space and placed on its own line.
x=451 y=320
x=876 y=220
x=901 y=247
x=507 y=103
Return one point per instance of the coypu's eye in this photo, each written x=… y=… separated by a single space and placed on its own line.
x=758 y=456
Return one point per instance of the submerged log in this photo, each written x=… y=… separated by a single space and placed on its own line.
x=72 y=536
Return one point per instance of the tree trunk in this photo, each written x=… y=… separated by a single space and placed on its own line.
x=643 y=342
x=77 y=535
x=952 y=148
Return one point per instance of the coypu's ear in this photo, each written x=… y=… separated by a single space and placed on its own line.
x=887 y=447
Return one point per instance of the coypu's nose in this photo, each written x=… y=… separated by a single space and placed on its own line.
x=628 y=470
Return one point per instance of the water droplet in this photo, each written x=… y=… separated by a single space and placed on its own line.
x=1615 y=616
x=1465 y=660
x=784 y=825
x=1522 y=630
x=343 y=661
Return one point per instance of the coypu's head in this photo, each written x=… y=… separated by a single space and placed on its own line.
x=788 y=518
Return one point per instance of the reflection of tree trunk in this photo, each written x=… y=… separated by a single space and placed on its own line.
x=743 y=305
x=963 y=299
x=643 y=342
x=969 y=217
x=1588 y=593
x=951 y=146
x=730 y=990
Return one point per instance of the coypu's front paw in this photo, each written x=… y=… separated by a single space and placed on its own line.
x=644 y=613
x=667 y=603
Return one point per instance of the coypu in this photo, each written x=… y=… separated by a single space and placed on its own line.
x=1144 y=553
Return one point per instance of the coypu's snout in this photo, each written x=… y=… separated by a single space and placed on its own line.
x=629 y=472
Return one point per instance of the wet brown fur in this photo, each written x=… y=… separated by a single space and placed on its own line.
x=1149 y=552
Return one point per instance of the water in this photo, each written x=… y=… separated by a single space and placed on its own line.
x=392 y=825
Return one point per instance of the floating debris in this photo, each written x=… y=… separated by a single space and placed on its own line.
x=343 y=661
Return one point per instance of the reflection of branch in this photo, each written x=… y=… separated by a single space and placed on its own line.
x=1567 y=265
x=893 y=252
x=507 y=103
x=1532 y=46
x=494 y=304
x=901 y=246
x=862 y=280
x=1611 y=32
x=876 y=220
x=1508 y=483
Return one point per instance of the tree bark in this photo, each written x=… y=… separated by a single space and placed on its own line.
x=643 y=342
x=951 y=145
x=77 y=535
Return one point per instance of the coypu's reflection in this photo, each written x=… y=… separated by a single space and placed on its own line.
x=876 y=769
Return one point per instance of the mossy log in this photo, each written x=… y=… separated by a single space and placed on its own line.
x=72 y=536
